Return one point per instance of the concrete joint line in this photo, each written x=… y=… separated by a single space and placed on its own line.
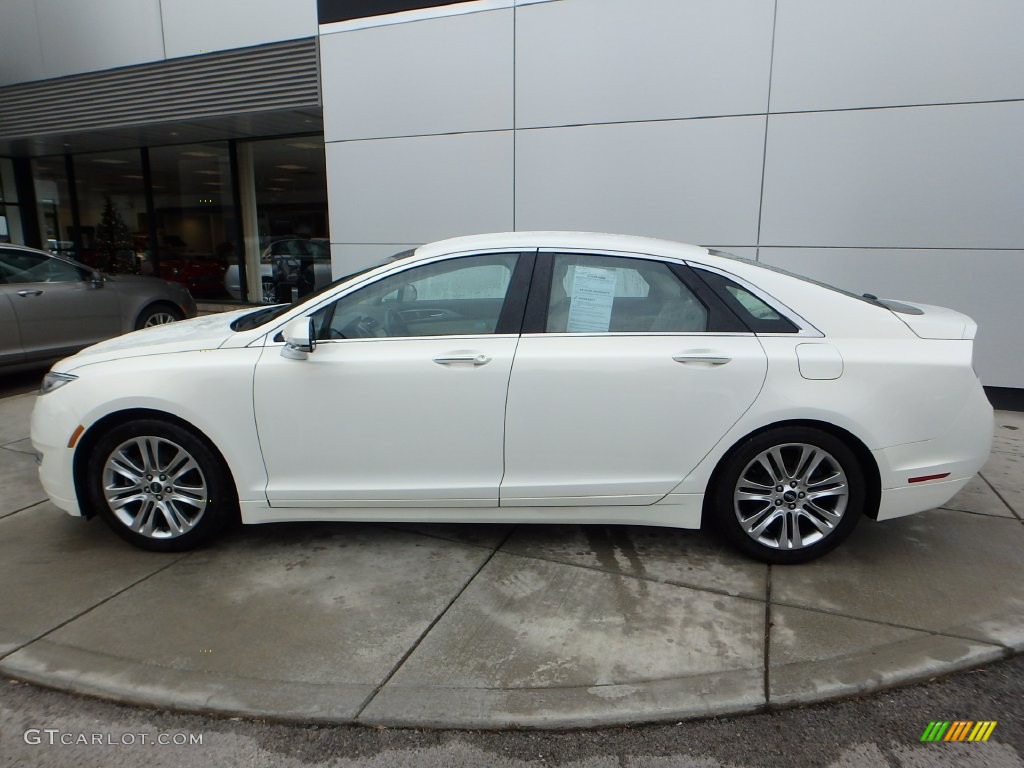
x=894 y=625
x=995 y=490
x=416 y=644
x=637 y=576
x=23 y=509
x=93 y=607
x=989 y=515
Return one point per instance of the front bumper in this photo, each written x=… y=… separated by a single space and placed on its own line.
x=53 y=423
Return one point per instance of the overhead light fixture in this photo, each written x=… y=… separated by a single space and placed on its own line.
x=199 y=153
x=290 y=167
x=275 y=189
x=307 y=145
x=213 y=184
x=209 y=173
x=132 y=176
x=281 y=178
x=109 y=161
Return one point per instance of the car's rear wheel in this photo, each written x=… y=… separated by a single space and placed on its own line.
x=789 y=495
x=158 y=314
x=159 y=486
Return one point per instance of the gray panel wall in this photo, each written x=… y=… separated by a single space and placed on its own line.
x=580 y=61
x=200 y=26
x=918 y=177
x=419 y=189
x=42 y=39
x=445 y=75
x=868 y=53
x=690 y=180
x=873 y=143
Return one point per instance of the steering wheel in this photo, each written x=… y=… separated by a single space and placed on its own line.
x=394 y=325
x=361 y=327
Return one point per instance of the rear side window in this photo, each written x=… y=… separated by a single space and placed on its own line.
x=759 y=316
x=611 y=294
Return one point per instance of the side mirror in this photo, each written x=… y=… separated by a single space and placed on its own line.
x=96 y=280
x=299 y=339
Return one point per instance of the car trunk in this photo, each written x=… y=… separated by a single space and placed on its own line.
x=931 y=322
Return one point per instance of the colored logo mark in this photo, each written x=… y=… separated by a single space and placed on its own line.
x=958 y=730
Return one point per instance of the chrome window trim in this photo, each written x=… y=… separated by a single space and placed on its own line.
x=805 y=328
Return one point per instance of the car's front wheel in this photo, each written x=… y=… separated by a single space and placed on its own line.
x=159 y=486
x=789 y=495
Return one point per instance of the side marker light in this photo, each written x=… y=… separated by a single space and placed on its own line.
x=75 y=435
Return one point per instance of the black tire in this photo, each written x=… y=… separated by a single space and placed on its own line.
x=202 y=498
x=812 y=503
x=158 y=314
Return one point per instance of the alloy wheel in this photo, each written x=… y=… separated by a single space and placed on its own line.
x=159 y=318
x=155 y=487
x=791 y=496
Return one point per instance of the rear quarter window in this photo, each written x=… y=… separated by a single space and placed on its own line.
x=758 y=315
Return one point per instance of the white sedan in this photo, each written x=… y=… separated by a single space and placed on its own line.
x=537 y=377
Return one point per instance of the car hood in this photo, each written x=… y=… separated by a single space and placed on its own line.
x=208 y=332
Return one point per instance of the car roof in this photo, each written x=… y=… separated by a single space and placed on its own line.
x=597 y=241
x=29 y=248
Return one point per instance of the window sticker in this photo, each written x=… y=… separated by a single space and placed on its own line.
x=593 y=292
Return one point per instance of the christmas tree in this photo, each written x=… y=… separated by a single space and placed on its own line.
x=115 y=247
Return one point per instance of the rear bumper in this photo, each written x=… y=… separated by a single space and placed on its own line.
x=951 y=459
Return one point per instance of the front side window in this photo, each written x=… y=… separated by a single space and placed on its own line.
x=29 y=267
x=455 y=297
x=610 y=294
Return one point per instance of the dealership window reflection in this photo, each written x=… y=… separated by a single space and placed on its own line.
x=10 y=215
x=53 y=205
x=112 y=209
x=194 y=216
x=287 y=242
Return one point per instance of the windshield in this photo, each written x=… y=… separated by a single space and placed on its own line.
x=266 y=315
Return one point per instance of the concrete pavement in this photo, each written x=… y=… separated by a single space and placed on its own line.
x=493 y=626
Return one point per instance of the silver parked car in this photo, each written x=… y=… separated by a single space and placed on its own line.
x=52 y=306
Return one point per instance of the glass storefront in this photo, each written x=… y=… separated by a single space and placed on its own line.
x=194 y=215
x=112 y=211
x=190 y=225
x=53 y=205
x=285 y=219
x=10 y=214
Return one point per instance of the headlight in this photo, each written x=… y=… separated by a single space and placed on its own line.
x=54 y=380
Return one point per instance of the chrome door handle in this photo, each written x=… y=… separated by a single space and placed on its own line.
x=701 y=356
x=30 y=293
x=479 y=359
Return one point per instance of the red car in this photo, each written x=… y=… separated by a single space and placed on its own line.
x=202 y=277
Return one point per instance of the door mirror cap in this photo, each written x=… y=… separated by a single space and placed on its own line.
x=299 y=339
x=96 y=279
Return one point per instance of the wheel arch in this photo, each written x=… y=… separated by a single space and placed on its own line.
x=92 y=435
x=868 y=465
